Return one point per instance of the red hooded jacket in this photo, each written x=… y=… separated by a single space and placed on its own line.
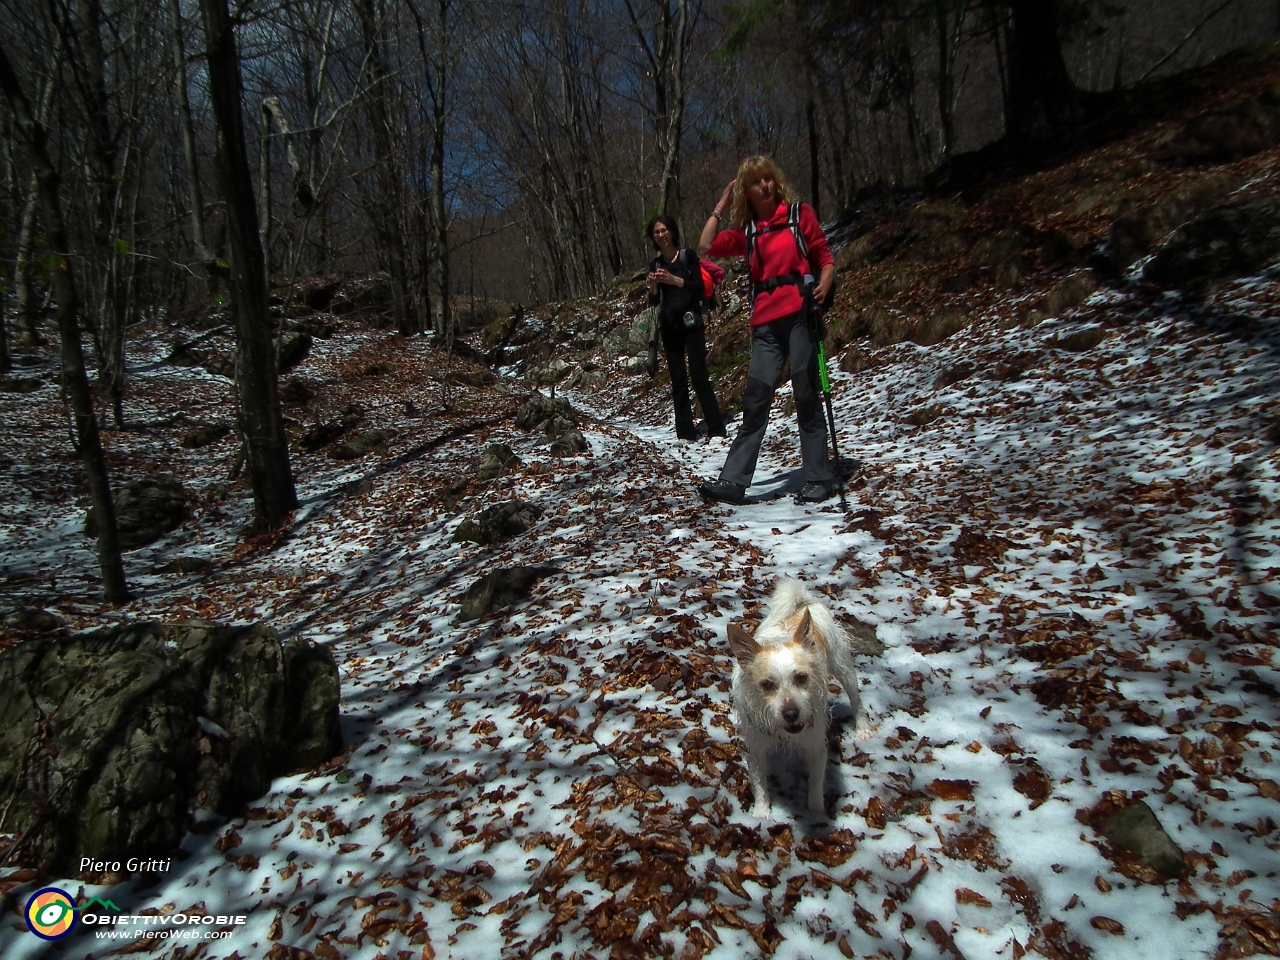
x=777 y=255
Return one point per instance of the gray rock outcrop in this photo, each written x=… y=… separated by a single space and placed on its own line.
x=499 y=589
x=499 y=522
x=106 y=739
x=571 y=443
x=498 y=459
x=1137 y=829
x=146 y=509
x=1230 y=241
x=539 y=411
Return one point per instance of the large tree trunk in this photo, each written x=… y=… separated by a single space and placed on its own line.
x=1042 y=98
x=444 y=313
x=24 y=288
x=386 y=211
x=74 y=379
x=25 y=308
x=187 y=126
x=664 y=51
x=669 y=194
x=81 y=30
x=261 y=422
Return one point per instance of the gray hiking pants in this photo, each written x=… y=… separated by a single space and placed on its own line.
x=771 y=345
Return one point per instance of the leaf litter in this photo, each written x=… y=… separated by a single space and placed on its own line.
x=1073 y=575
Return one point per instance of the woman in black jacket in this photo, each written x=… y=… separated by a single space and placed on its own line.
x=675 y=286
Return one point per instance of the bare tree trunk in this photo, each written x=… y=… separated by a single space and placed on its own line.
x=187 y=126
x=74 y=379
x=1042 y=98
x=304 y=199
x=264 y=193
x=665 y=54
x=437 y=88
x=386 y=212
x=81 y=31
x=669 y=193
x=434 y=241
x=261 y=422
x=946 y=75
x=24 y=299
x=25 y=311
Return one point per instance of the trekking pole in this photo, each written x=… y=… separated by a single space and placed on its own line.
x=816 y=329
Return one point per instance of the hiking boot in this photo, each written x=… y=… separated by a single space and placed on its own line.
x=815 y=491
x=723 y=491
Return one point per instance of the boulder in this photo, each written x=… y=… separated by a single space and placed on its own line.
x=498 y=459
x=107 y=738
x=186 y=355
x=570 y=444
x=32 y=620
x=294 y=348
x=1227 y=133
x=498 y=522
x=1141 y=222
x=204 y=435
x=539 y=410
x=1137 y=829
x=500 y=589
x=146 y=509
x=553 y=372
x=364 y=443
x=630 y=339
x=20 y=384
x=366 y=296
x=1230 y=241
x=221 y=365
x=297 y=393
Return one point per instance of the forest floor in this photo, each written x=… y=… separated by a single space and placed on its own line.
x=1065 y=534
x=1073 y=571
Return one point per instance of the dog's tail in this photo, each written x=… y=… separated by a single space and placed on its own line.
x=791 y=597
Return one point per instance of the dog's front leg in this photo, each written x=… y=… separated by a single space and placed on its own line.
x=816 y=760
x=758 y=774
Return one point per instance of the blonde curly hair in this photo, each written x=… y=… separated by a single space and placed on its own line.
x=740 y=212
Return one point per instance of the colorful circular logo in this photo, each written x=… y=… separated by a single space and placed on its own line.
x=51 y=913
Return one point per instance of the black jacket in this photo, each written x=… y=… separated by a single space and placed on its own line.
x=676 y=301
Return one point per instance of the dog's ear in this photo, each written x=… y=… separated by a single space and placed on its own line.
x=742 y=644
x=805 y=636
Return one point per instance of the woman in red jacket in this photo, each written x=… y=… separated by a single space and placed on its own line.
x=758 y=207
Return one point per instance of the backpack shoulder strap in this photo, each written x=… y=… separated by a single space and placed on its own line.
x=793 y=223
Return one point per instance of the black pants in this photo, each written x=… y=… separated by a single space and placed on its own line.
x=679 y=342
x=772 y=344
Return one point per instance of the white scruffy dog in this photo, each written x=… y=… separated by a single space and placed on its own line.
x=780 y=681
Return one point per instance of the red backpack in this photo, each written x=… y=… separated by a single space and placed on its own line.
x=712 y=277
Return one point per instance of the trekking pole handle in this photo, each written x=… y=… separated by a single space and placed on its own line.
x=818 y=333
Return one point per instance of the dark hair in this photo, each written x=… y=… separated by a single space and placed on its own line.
x=669 y=223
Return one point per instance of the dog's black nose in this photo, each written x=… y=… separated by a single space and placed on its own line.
x=790 y=714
